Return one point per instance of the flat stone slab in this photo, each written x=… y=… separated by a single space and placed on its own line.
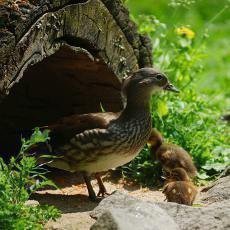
x=214 y=216
x=219 y=192
x=121 y=211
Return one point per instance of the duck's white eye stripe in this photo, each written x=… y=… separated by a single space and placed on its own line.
x=159 y=76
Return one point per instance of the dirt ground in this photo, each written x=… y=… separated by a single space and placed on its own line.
x=72 y=198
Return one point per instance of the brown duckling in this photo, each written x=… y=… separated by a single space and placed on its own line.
x=170 y=155
x=155 y=141
x=97 y=142
x=179 y=188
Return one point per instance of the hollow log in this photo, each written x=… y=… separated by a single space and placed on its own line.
x=63 y=57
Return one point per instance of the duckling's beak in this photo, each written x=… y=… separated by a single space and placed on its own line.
x=171 y=87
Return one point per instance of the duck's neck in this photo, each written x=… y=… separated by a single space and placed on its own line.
x=136 y=105
x=154 y=147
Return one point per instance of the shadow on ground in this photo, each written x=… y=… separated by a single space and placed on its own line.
x=66 y=203
x=72 y=195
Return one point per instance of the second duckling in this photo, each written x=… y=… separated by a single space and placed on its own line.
x=179 y=188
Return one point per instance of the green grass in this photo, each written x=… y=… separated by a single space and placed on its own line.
x=209 y=16
x=200 y=67
x=18 y=180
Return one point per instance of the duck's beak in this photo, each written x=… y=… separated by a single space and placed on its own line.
x=171 y=87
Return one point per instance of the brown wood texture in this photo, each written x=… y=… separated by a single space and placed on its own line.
x=63 y=57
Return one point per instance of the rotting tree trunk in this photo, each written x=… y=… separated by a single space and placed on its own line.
x=63 y=57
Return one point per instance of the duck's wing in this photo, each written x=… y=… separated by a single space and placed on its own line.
x=169 y=191
x=77 y=127
x=79 y=151
x=67 y=127
x=168 y=187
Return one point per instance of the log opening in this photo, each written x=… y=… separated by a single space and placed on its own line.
x=67 y=82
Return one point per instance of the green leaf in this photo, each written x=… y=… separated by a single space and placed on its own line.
x=202 y=176
x=162 y=108
x=102 y=108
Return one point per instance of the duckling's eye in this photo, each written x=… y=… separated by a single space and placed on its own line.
x=159 y=77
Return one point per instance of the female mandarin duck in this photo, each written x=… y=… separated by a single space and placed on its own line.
x=96 y=142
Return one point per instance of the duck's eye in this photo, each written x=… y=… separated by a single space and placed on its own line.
x=159 y=77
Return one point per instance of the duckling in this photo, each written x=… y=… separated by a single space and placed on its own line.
x=179 y=188
x=155 y=141
x=170 y=155
x=97 y=142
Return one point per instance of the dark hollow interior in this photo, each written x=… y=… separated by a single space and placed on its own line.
x=63 y=84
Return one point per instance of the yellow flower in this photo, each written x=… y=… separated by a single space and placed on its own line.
x=185 y=32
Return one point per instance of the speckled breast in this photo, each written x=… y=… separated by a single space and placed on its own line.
x=128 y=140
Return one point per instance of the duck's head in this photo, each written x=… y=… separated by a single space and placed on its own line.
x=146 y=81
x=155 y=138
x=179 y=174
x=154 y=142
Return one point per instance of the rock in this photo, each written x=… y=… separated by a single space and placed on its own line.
x=107 y=220
x=32 y=203
x=215 y=216
x=219 y=191
x=121 y=211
